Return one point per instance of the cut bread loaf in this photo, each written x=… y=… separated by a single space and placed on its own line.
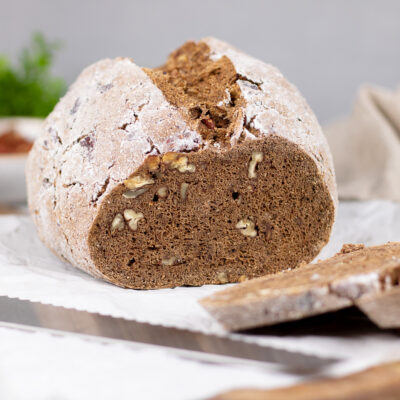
x=359 y=276
x=209 y=169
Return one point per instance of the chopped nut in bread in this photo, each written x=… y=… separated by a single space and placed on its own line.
x=222 y=277
x=133 y=218
x=247 y=227
x=169 y=261
x=118 y=223
x=184 y=188
x=138 y=181
x=175 y=161
x=132 y=194
x=256 y=157
x=162 y=192
x=153 y=163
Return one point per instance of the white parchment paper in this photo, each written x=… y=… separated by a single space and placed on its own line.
x=30 y=271
x=38 y=365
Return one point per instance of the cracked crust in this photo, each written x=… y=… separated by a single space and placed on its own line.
x=354 y=274
x=114 y=118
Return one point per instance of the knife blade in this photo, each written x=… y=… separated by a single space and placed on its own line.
x=198 y=346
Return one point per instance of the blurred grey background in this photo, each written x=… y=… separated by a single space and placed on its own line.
x=326 y=48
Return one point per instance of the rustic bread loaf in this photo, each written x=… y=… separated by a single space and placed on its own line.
x=209 y=169
x=364 y=277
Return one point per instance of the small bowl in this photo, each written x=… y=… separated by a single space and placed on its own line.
x=12 y=166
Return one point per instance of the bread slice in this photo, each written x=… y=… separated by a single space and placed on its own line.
x=379 y=382
x=209 y=169
x=382 y=308
x=356 y=276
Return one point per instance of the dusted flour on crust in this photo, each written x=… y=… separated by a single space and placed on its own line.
x=134 y=168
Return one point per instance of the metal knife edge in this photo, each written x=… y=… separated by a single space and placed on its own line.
x=20 y=314
x=194 y=355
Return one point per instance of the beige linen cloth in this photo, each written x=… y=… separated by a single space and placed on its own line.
x=366 y=146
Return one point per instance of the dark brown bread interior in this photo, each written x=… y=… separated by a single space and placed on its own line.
x=190 y=236
x=197 y=85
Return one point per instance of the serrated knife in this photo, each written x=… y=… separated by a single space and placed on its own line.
x=197 y=346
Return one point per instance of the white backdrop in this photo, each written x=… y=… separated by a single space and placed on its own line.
x=327 y=48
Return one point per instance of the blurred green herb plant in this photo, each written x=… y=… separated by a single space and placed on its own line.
x=29 y=89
